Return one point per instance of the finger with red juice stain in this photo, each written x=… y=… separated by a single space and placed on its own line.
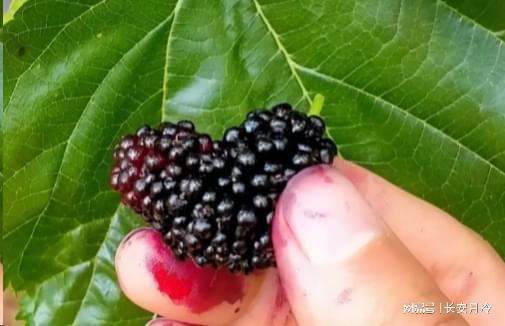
x=269 y=307
x=154 y=279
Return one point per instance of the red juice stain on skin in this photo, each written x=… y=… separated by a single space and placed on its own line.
x=280 y=228
x=344 y=297
x=324 y=172
x=280 y=307
x=283 y=207
x=278 y=238
x=283 y=229
x=316 y=176
x=280 y=298
x=289 y=201
x=356 y=174
x=200 y=289
x=176 y=288
x=311 y=173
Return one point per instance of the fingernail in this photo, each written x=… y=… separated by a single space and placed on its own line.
x=326 y=215
x=166 y=322
x=159 y=322
x=130 y=235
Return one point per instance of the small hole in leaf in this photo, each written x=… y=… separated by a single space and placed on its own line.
x=21 y=51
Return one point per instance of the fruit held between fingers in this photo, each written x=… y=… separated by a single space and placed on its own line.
x=213 y=200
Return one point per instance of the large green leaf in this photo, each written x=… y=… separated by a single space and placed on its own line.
x=414 y=90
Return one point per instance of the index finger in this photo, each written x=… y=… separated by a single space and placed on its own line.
x=464 y=265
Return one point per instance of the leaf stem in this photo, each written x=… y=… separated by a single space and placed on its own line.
x=317 y=105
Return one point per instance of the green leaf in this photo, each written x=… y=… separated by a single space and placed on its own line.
x=412 y=89
x=90 y=295
x=488 y=13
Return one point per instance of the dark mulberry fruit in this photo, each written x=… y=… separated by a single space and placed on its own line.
x=214 y=200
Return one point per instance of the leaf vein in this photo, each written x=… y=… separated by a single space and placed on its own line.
x=388 y=103
x=93 y=261
x=44 y=50
x=65 y=153
x=473 y=21
x=283 y=50
x=173 y=15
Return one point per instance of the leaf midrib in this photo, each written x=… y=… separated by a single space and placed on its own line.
x=284 y=52
x=174 y=15
x=294 y=67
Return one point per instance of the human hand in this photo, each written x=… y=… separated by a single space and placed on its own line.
x=351 y=249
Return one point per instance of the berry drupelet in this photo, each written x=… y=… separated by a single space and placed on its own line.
x=214 y=200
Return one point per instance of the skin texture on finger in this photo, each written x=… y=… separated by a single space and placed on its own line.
x=269 y=307
x=466 y=268
x=340 y=264
x=151 y=277
x=291 y=321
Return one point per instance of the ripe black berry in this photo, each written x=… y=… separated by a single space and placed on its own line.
x=214 y=199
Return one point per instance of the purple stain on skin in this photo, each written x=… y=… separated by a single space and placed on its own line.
x=308 y=213
x=344 y=297
x=287 y=207
x=280 y=298
x=323 y=172
x=278 y=237
x=317 y=172
x=327 y=179
x=288 y=204
x=320 y=171
x=347 y=206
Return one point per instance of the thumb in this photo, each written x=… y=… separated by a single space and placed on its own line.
x=340 y=264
